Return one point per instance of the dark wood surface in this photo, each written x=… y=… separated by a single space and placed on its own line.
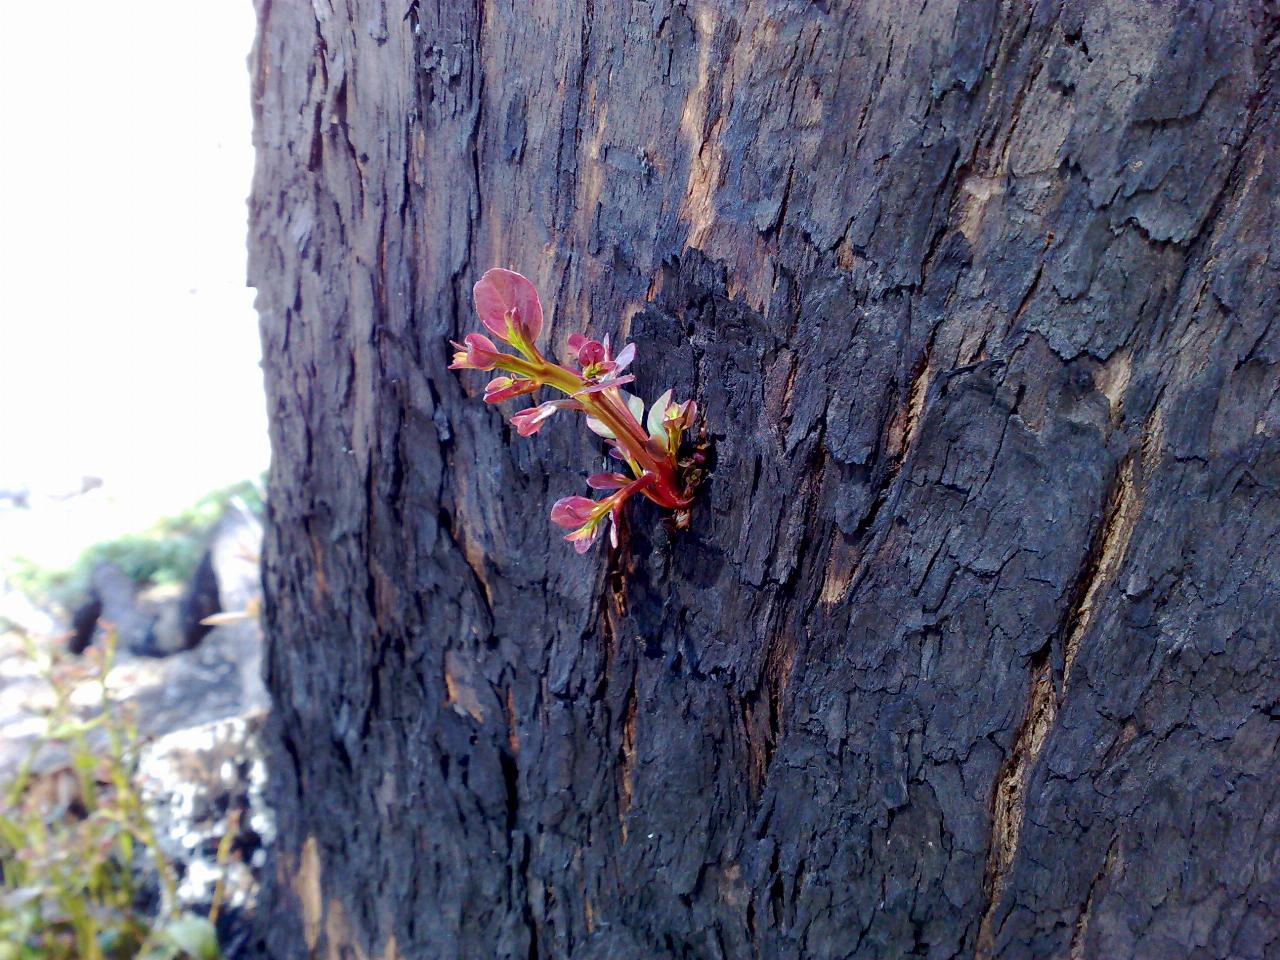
x=973 y=647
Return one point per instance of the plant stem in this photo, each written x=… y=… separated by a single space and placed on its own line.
x=607 y=407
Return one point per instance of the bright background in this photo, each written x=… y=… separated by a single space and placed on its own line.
x=128 y=343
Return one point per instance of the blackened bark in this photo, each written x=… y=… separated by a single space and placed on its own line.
x=973 y=648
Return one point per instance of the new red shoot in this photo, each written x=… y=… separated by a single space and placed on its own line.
x=646 y=441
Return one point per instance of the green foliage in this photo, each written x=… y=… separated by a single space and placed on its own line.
x=166 y=553
x=73 y=841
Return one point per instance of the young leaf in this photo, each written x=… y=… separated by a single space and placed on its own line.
x=634 y=404
x=599 y=429
x=656 y=414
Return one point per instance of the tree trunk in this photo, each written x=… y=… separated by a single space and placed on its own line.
x=973 y=646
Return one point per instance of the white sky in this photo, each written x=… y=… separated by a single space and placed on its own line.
x=128 y=342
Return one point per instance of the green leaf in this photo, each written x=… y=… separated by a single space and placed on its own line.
x=194 y=936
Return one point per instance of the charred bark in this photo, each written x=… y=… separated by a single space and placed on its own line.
x=973 y=648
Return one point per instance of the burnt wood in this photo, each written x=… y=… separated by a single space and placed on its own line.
x=973 y=646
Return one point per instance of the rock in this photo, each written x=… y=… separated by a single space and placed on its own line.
x=17 y=610
x=235 y=549
x=117 y=595
x=84 y=624
x=158 y=607
x=199 y=784
x=227 y=579
x=199 y=600
x=156 y=622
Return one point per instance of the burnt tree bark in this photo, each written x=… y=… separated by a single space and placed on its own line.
x=973 y=648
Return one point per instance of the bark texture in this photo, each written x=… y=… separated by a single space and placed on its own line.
x=973 y=649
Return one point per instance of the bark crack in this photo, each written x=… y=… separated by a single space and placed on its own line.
x=627 y=759
x=1082 y=922
x=1009 y=797
x=1105 y=557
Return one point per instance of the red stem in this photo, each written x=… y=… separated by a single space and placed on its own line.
x=607 y=407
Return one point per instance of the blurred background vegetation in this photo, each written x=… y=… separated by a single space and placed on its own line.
x=81 y=873
x=164 y=553
x=125 y=395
